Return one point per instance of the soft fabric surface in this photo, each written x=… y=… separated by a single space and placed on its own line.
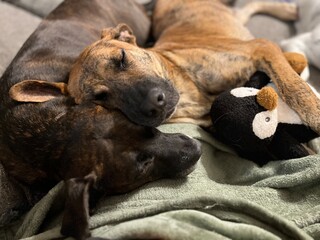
x=16 y=25
x=13 y=202
x=40 y=8
x=226 y=197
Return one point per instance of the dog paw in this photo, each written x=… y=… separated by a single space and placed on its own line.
x=290 y=11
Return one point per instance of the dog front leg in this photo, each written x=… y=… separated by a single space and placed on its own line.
x=75 y=222
x=268 y=58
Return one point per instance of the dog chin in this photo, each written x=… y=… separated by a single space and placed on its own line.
x=186 y=172
x=171 y=112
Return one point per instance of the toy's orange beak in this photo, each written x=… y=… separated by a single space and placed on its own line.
x=267 y=98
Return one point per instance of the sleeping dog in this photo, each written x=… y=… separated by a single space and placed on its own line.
x=92 y=148
x=202 y=48
x=45 y=137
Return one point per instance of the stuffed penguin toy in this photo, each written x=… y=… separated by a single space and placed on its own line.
x=257 y=124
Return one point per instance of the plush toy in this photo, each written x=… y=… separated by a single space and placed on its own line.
x=258 y=124
x=307 y=38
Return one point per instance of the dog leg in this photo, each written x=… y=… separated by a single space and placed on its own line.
x=76 y=213
x=281 y=10
x=293 y=90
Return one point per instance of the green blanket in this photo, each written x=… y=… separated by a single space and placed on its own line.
x=226 y=197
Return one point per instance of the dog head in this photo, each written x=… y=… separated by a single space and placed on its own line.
x=125 y=155
x=117 y=74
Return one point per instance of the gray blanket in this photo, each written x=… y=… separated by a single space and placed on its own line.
x=226 y=197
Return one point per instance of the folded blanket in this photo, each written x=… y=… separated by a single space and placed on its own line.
x=226 y=197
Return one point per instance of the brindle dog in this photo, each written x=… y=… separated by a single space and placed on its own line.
x=97 y=149
x=92 y=148
x=202 y=48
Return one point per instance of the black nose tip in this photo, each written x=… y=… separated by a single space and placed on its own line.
x=156 y=97
x=154 y=102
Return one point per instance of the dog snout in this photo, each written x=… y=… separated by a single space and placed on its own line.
x=154 y=103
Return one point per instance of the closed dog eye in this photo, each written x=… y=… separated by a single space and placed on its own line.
x=123 y=61
x=145 y=162
x=120 y=61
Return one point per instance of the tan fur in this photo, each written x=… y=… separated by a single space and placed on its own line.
x=203 y=49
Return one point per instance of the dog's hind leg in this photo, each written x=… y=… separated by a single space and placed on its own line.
x=282 y=10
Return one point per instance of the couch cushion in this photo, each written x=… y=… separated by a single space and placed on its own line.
x=16 y=25
x=41 y=8
x=44 y=7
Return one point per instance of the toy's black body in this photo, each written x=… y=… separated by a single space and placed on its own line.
x=233 y=118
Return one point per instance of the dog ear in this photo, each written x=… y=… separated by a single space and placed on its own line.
x=122 y=32
x=75 y=222
x=37 y=91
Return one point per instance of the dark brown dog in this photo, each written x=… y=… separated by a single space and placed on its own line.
x=203 y=48
x=104 y=151
x=97 y=149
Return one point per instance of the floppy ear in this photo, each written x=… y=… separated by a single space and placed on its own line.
x=75 y=222
x=121 y=32
x=37 y=91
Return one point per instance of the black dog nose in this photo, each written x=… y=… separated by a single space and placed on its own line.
x=156 y=97
x=154 y=102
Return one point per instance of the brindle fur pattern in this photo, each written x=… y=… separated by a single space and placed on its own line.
x=203 y=48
